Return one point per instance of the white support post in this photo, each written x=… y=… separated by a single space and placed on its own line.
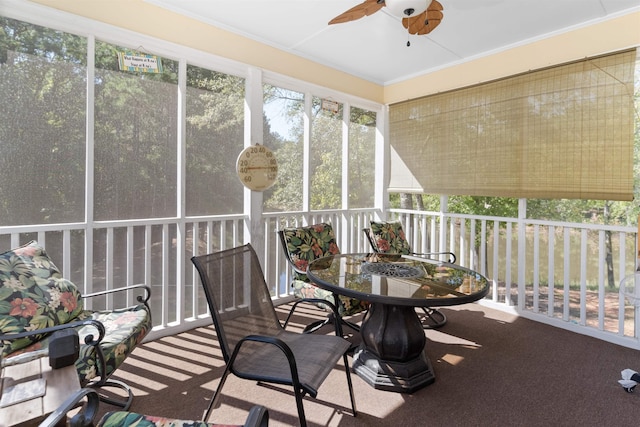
x=382 y=164
x=253 y=232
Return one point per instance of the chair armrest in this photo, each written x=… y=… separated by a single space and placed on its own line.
x=83 y=418
x=270 y=340
x=452 y=256
x=333 y=307
x=141 y=298
x=89 y=339
x=258 y=417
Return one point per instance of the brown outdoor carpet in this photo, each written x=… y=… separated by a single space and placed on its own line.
x=492 y=369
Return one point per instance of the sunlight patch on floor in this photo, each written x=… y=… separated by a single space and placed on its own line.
x=158 y=369
x=452 y=359
x=139 y=384
x=442 y=337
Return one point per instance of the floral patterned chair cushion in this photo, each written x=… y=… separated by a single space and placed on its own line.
x=388 y=237
x=125 y=419
x=33 y=295
x=306 y=244
x=84 y=403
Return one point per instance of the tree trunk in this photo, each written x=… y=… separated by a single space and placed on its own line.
x=406 y=202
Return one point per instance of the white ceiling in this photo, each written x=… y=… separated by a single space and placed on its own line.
x=375 y=47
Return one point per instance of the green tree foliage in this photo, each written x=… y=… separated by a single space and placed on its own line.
x=288 y=106
x=135 y=139
x=43 y=135
x=42 y=124
x=325 y=156
x=362 y=144
x=215 y=135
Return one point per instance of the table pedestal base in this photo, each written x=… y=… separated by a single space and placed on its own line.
x=400 y=377
x=392 y=354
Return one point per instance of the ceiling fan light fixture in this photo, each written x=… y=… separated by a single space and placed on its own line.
x=406 y=8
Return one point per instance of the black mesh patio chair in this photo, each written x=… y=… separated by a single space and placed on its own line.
x=302 y=245
x=389 y=238
x=254 y=344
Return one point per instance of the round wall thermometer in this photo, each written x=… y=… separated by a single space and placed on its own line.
x=257 y=167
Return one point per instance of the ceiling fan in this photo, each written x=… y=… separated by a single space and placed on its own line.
x=418 y=16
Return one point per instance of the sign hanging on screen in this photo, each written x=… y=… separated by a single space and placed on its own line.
x=141 y=63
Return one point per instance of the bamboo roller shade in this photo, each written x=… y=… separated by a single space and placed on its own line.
x=561 y=132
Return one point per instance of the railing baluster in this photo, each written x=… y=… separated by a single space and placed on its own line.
x=496 y=252
x=621 y=268
x=109 y=268
x=536 y=268
x=566 y=309
x=602 y=268
x=584 y=235
x=507 y=273
x=551 y=276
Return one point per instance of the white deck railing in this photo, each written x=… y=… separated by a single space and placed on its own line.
x=558 y=273
x=552 y=272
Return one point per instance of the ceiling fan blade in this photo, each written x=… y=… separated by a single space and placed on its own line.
x=366 y=8
x=427 y=21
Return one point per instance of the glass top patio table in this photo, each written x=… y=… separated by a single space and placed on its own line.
x=398 y=279
x=392 y=354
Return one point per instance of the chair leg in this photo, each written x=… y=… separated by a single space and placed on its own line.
x=351 y=325
x=216 y=393
x=329 y=319
x=299 y=395
x=292 y=310
x=433 y=318
x=314 y=326
x=350 y=385
x=124 y=403
x=336 y=299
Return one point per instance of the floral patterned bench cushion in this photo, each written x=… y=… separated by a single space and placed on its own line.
x=125 y=329
x=306 y=244
x=59 y=301
x=33 y=294
x=389 y=238
x=125 y=419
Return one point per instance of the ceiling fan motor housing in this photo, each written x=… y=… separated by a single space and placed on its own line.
x=406 y=8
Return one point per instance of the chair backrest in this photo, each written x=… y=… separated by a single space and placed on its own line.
x=238 y=296
x=301 y=245
x=388 y=237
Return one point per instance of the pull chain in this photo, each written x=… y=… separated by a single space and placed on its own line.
x=408 y=12
x=426 y=22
